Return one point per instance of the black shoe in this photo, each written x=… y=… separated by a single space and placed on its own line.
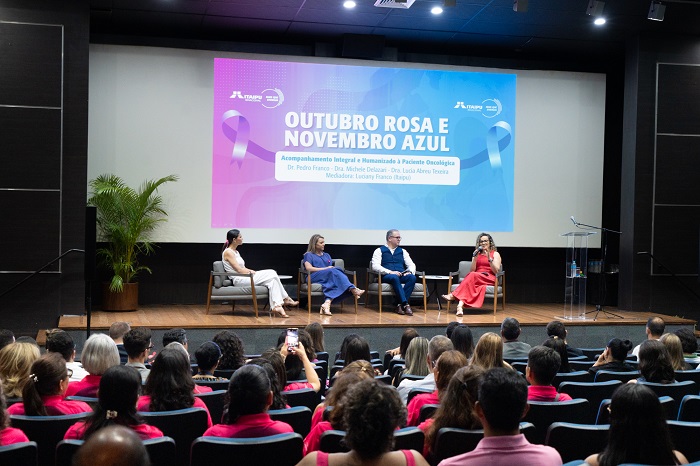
x=399 y=310
x=407 y=309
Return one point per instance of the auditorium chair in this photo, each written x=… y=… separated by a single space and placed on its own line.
x=594 y=392
x=23 y=453
x=578 y=376
x=278 y=450
x=408 y=438
x=685 y=437
x=574 y=441
x=46 y=431
x=375 y=287
x=499 y=291
x=161 y=451
x=183 y=425
x=603 y=376
x=545 y=413
x=693 y=375
x=305 y=287
x=451 y=441
x=675 y=390
x=690 y=409
x=298 y=417
x=215 y=401
x=221 y=288
x=667 y=403
x=303 y=397
x=427 y=411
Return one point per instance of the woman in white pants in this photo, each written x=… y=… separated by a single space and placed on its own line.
x=233 y=262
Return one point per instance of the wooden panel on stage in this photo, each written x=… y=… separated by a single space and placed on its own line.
x=193 y=316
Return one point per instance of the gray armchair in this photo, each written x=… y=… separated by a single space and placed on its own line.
x=377 y=288
x=221 y=288
x=304 y=285
x=492 y=292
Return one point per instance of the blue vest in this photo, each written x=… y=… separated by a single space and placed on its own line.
x=394 y=261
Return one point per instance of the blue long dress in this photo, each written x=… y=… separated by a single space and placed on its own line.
x=334 y=282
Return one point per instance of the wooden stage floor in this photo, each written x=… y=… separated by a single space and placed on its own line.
x=220 y=316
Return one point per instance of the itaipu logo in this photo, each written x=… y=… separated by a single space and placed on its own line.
x=268 y=98
x=488 y=108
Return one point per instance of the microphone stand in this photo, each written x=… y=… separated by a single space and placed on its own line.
x=601 y=280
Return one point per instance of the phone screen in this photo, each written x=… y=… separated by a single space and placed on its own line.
x=292 y=337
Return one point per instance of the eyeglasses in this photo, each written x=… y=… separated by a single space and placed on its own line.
x=149 y=348
x=397 y=237
x=70 y=373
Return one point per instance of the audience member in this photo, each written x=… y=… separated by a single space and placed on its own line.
x=450 y=328
x=397 y=270
x=8 y=435
x=116 y=332
x=689 y=343
x=296 y=359
x=315 y=331
x=456 y=406
x=502 y=404
x=655 y=363
x=342 y=354
x=437 y=345
x=113 y=446
x=613 y=357
x=43 y=394
x=279 y=400
x=510 y=332
x=557 y=329
x=366 y=371
x=372 y=412
x=488 y=352
x=277 y=360
x=207 y=356
x=406 y=337
x=138 y=344
x=59 y=341
x=357 y=349
x=559 y=346
x=654 y=329
x=99 y=354
x=170 y=385
x=248 y=398
x=233 y=353
x=416 y=359
x=16 y=360
x=462 y=340
x=116 y=404
x=175 y=334
x=542 y=365
x=675 y=351
x=638 y=431
x=6 y=337
x=447 y=364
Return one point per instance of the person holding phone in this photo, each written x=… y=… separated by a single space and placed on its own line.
x=397 y=269
x=486 y=262
x=296 y=357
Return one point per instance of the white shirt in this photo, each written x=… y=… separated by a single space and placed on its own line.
x=78 y=372
x=407 y=385
x=377 y=261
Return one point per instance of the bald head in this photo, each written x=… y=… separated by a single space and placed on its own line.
x=113 y=445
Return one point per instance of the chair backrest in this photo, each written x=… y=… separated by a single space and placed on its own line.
x=544 y=413
x=578 y=376
x=685 y=437
x=575 y=441
x=218 y=266
x=20 y=454
x=162 y=451
x=581 y=365
x=298 y=417
x=594 y=392
x=225 y=373
x=693 y=375
x=690 y=409
x=451 y=441
x=303 y=397
x=592 y=353
x=339 y=264
x=464 y=268
x=215 y=401
x=417 y=391
x=409 y=438
x=183 y=425
x=427 y=411
x=278 y=450
x=675 y=390
x=65 y=450
x=214 y=385
x=383 y=378
x=602 y=376
x=667 y=403
x=46 y=431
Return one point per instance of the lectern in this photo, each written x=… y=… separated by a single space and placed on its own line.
x=576 y=274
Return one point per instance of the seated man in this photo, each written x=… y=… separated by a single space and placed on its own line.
x=502 y=404
x=116 y=332
x=208 y=356
x=654 y=329
x=60 y=341
x=542 y=365
x=510 y=332
x=397 y=269
x=137 y=343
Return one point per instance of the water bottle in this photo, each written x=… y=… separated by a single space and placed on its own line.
x=573 y=269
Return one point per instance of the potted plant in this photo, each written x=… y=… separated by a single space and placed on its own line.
x=125 y=220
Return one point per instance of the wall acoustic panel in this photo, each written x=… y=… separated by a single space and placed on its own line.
x=678 y=109
x=677 y=157
x=676 y=239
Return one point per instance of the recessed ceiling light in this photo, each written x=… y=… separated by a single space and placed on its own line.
x=349 y=4
x=436 y=10
x=599 y=21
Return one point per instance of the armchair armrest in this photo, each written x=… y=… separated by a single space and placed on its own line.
x=449 y=280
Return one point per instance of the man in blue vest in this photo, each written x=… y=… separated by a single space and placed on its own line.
x=397 y=269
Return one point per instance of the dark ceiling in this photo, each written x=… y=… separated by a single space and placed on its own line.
x=472 y=27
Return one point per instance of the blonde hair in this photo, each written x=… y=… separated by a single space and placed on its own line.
x=488 y=352
x=675 y=350
x=417 y=357
x=16 y=360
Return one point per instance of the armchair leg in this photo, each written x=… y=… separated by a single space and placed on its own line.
x=211 y=280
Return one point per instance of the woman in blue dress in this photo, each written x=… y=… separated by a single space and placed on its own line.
x=334 y=282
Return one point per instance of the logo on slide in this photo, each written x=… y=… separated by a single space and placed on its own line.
x=269 y=98
x=491 y=108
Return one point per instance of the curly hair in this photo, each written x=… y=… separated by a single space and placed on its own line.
x=492 y=244
x=170 y=383
x=4 y=417
x=336 y=395
x=232 y=348
x=372 y=412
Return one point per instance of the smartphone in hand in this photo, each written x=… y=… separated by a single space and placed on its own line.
x=292 y=338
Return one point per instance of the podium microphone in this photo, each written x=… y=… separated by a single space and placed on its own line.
x=573 y=220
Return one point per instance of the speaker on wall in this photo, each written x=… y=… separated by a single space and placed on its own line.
x=90 y=243
x=367 y=46
x=520 y=6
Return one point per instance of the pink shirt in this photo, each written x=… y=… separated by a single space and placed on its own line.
x=297 y=386
x=55 y=406
x=545 y=393
x=10 y=435
x=77 y=431
x=322 y=458
x=312 y=442
x=144 y=402
x=250 y=426
x=202 y=389
x=506 y=450
x=417 y=402
x=317 y=416
x=89 y=381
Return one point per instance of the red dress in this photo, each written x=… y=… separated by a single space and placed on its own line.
x=472 y=289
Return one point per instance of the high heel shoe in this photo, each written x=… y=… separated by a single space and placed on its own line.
x=357 y=292
x=460 y=311
x=448 y=297
x=290 y=302
x=326 y=309
x=279 y=310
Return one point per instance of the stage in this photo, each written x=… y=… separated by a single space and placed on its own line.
x=383 y=330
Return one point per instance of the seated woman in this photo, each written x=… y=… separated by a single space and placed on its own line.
x=372 y=412
x=558 y=345
x=366 y=371
x=8 y=435
x=406 y=337
x=334 y=282
x=456 y=406
x=315 y=331
x=99 y=354
x=16 y=360
x=675 y=351
x=233 y=262
x=488 y=352
x=613 y=358
x=416 y=360
x=208 y=356
x=44 y=392
x=655 y=363
x=248 y=398
x=463 y=340
x=170 y=385
x=119 y=391
x=233 y=353
x=486 y=263
x=296 y=359
x=279 y=401
x=447 y=364
x=638 y=431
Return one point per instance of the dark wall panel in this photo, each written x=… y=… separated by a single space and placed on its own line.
x=679 y=99
x=677 y=159
x=676 y=238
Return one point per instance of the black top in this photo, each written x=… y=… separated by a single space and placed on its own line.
x=615 y=366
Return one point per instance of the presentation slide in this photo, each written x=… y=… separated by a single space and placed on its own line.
x=304 y=144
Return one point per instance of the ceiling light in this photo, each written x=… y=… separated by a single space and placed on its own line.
x=656 y=11
x=349 y=4
x=520 y=6
x=599 y=21
x=595 y=8
x=436 y=10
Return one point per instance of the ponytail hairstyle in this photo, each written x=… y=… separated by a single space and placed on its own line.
x=44 y=379
x=248 y=393
x=619 y=348
x=119 y=390
x=279 y=400
x=231 y=235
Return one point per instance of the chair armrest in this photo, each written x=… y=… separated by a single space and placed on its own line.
x=449 y=280
x=420 y=273
x=350 y=273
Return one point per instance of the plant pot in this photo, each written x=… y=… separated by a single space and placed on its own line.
x=126 y=300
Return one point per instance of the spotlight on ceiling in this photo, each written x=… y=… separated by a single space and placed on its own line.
x=656 y=11
x=520 y=6
x=349 y=4
x=595 y=8
x=436 y=10
x=599 y=21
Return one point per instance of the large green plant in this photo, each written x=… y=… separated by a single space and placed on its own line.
x=125 y=219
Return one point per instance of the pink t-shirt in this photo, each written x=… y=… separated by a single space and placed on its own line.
x=77 y=431
x=55 y=405
x=545 y=393
x=416 y=403
x=89 y=383
x=312 y=442
x=10 y=435
x=297 y=386
x=144 y=402
x=506 y=450
x=250 y=426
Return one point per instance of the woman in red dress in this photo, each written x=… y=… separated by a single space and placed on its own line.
x=486 y=263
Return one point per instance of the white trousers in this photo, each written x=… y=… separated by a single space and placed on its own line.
x=270 y=280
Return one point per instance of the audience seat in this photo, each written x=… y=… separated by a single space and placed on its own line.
x=690 y=409
x=581 y=365
x=303 y=397
x=427 y=411
x=667 y=404
x=298 y=417
x=20 y=454
x=519 y=366
x=214 y=385
x=46 y=431
x=161 y=451
x=592 y=353
x=409 y=438
x=578 y=376
x=685 y=437
x=694 y=375
x=452 y=442
x=275 y=450
x=544 y=413
x=675 y=390
x=215 y=402
x=183 y=425
x=603 y=376
x=417 y=391
x=574 y=441
x=594 y=392
x=226 y=373
x=384 y=378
